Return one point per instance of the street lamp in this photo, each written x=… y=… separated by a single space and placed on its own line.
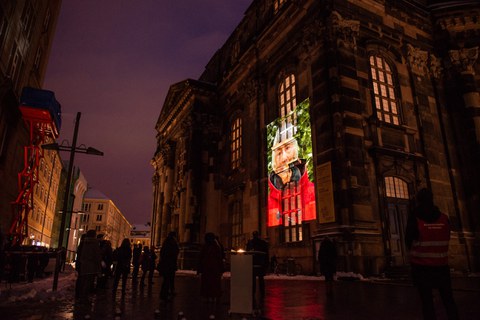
x=73 y=149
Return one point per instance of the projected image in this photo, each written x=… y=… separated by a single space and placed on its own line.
x=291 y=197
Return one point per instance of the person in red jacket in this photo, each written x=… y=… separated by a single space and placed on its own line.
x=427 y=237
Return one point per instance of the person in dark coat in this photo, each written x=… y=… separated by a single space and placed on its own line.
x=137 y=252
x=210 y=267
x=327 y=257
x=90 y=263
x=145 y=264
x=260 y=261
x=151 y=268
x=107 y=261
x=124 y=256
x=427 y=237
x=168 y=265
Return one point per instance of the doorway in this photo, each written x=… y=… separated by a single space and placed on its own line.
x=397 y=202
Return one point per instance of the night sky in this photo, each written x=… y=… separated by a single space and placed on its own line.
x=113 y=61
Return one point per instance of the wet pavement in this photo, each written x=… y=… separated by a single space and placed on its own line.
x=287 y=299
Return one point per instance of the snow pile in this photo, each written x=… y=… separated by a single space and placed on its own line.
x=40 y=290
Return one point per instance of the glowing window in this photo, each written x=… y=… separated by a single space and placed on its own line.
x=236 y=143
x=277 y=4
x=386 y=105
x=287 y=103
x=291 y=194
x=396 y=188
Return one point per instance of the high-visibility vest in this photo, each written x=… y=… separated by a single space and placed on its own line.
x=431 y=249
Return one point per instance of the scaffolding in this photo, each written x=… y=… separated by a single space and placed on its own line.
x=42 y=116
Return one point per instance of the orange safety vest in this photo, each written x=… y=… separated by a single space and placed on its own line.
x=431 y=249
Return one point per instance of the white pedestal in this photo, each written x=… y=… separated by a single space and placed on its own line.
x=241 y=268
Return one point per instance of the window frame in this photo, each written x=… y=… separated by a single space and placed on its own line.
x=292 y=217
x=386 y=104
x=236 y=143
x=396 y=187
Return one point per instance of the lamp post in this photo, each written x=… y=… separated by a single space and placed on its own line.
x=73 y=149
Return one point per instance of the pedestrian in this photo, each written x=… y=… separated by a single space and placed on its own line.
x=168 y=265
x=145 y=264
x=259 y=248
x=137 y=252
x=90 y=263
x=107 y=261
x=327 y=258
x=151 y=267
x=427 y=236
x=210 y=267
x=122 y=269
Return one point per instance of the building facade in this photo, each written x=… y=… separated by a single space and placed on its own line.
x=140 y=235
x=80 y=186
x=324 y=118
x=42 y=217
x=103 y=216
x=27 y=29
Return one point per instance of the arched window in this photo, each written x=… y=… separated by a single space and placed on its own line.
x=291 y=193
x=396 y=188
x=384 y=90
x=236 y=143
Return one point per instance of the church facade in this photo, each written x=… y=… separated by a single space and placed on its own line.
x=324 y=118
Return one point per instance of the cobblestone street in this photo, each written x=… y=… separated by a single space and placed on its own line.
x=287 y=299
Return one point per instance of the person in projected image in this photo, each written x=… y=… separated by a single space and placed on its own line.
x=289 y=176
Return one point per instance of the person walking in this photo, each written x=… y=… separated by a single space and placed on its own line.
x=151 y=268
x=168 y=261
x=107 y=261
x=210 y=268
x=427 y=237
x=89 y=264
x=145 y=264
x=137 y=252
x=327 y=258
x=124 y=255
x=259 y=248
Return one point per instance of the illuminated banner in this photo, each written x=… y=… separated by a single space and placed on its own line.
x=291 y=192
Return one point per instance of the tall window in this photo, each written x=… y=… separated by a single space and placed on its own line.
x=28 y=19
x=236 y=143
x=384 y=90
x=16 y=65
x=291 y=193
x=288 y=102
x=277 y=4
x=237 y=225
x=3 y=27
x=87 y=207
x=396 y=188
